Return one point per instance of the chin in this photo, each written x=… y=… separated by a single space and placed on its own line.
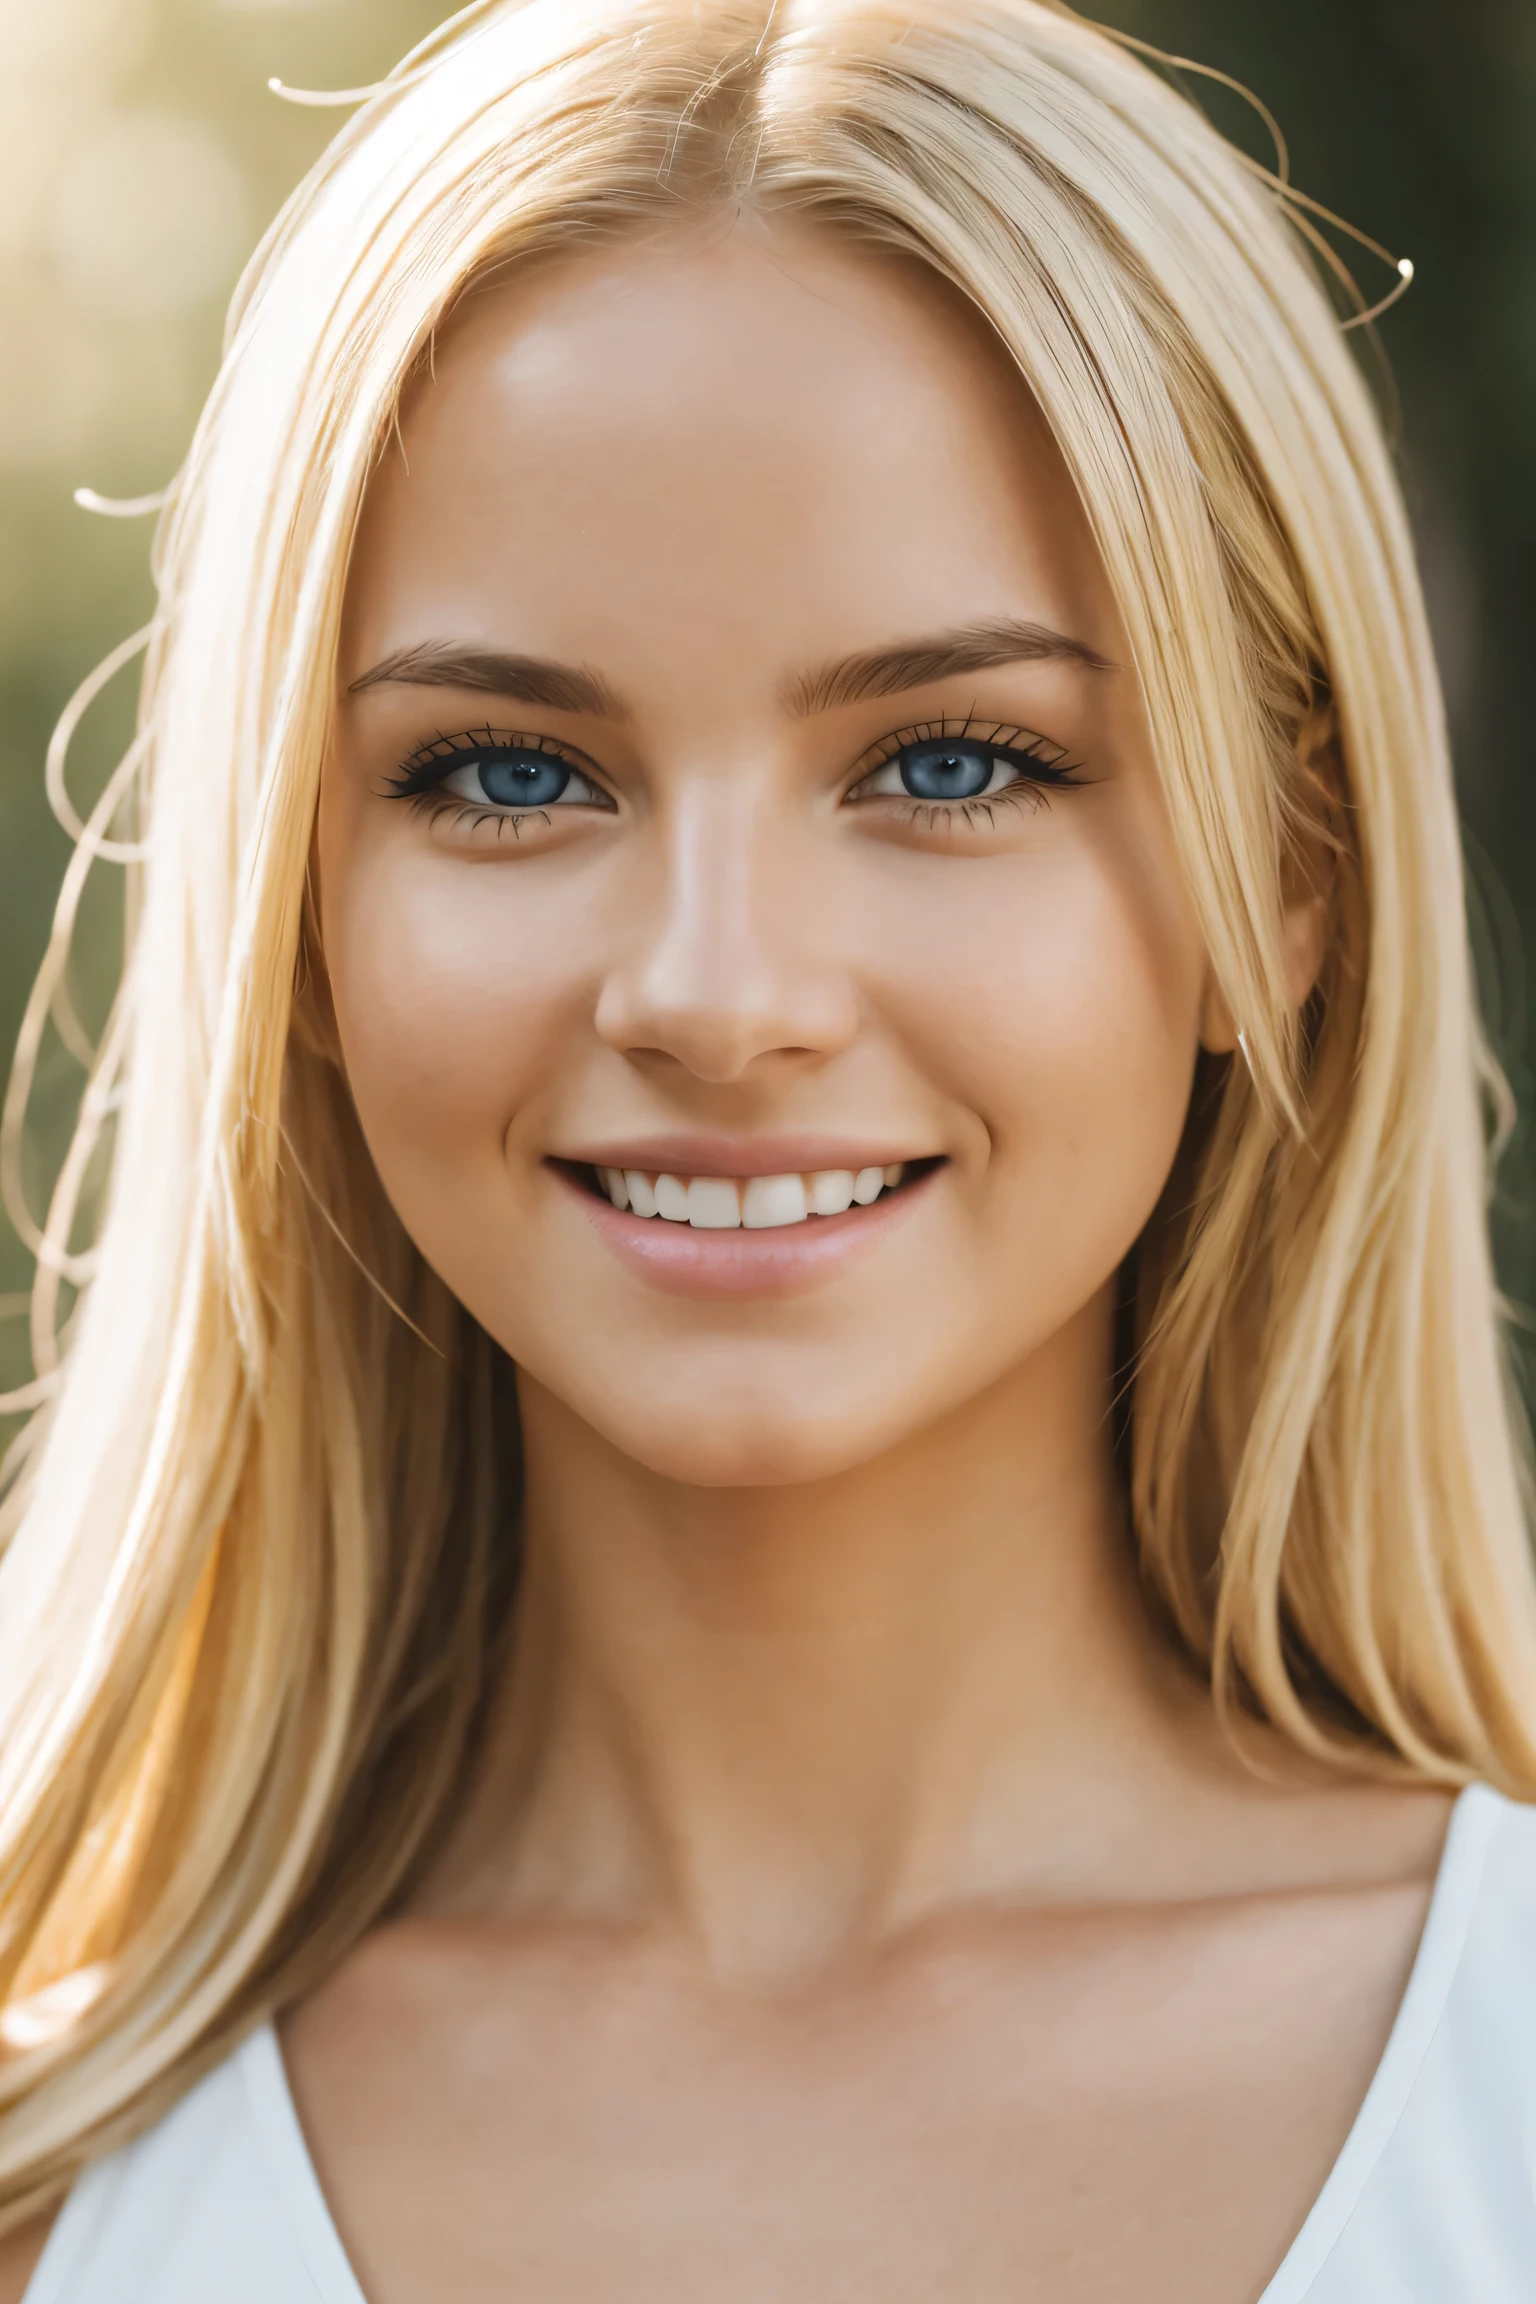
x=755 y=1443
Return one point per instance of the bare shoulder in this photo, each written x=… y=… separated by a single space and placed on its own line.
x=1260 y=1819
x=1367 y=1835
x=19 y=2253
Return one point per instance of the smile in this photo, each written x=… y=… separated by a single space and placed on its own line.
x=751 y=1203
x=683 y=1227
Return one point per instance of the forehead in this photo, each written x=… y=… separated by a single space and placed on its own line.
x=771 y=433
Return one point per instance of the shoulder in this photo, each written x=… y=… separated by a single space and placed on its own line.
x=1477 y=1955
x=19 y=2254
x=1489 y=1883
x=200 y=2205
x=1467 y=2041
x=1432 y=2194
x=1507 y=1828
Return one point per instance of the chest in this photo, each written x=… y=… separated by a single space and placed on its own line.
x=1089 y=2117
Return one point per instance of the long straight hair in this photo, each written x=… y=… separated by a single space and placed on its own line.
x=260 y=1531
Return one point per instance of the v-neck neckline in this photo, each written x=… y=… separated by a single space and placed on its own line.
x=1452 y=1902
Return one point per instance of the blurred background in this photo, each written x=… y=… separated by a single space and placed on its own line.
x=141 y=155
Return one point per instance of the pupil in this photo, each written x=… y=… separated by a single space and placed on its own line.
x=944 y=770
x=523 y=779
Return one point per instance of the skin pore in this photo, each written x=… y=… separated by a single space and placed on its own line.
x=855 y=1898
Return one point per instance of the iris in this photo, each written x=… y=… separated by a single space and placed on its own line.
x=522 y=779
x=946 y=769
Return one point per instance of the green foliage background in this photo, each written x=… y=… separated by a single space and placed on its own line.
x=140 y=154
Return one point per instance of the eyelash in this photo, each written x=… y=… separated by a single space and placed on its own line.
x=420 y=777
x=1043 y=767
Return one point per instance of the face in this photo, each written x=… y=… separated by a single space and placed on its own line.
x=758 y=953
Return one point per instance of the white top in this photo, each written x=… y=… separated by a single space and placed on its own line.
x=1431 y=2201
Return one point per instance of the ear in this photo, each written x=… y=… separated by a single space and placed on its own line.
x=1306 y=883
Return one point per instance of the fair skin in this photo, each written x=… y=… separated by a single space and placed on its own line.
x=856 y=1897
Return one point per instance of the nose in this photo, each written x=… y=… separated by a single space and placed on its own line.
x=729 y=963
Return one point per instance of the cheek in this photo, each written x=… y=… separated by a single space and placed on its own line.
x=1060 y=1005
x=454 y=990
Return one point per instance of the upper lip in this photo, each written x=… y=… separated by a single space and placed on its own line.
x=740 y=1155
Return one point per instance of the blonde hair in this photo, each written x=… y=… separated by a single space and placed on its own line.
x=261 y=1528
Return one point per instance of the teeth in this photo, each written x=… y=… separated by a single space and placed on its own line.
x=831 y=1191
x=714 y=1204
x=641 y=1196
x=761 y=1203
x=672 y=1199
x=772 y=1200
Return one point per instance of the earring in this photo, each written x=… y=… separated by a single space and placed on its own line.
x=1242 y=1041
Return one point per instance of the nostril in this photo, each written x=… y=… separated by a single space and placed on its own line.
x=715 y=1014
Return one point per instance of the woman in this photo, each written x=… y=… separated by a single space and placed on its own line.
x=785 y=1506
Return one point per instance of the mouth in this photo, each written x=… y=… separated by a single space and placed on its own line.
x=745 y=1203
x=744 y=1235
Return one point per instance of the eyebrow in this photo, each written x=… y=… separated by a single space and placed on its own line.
x=495 y=672
x=851 y=680
x=914 y=663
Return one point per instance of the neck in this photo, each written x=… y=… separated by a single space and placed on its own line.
x=791 y=1717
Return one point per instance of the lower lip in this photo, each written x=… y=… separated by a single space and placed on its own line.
x=778 y=1261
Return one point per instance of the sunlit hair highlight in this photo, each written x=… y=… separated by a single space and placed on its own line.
x=261 y=1530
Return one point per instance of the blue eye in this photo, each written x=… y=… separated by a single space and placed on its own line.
x=948 y=768
x=945 y=769
x=515 y=779
x=500 y=778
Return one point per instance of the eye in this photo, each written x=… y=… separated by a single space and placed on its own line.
x=947 y=769
x=497 y=775
x=508 y=778
x=942 y=765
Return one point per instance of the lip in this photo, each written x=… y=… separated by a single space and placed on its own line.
x=739 y=1155
x=781 y=1261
